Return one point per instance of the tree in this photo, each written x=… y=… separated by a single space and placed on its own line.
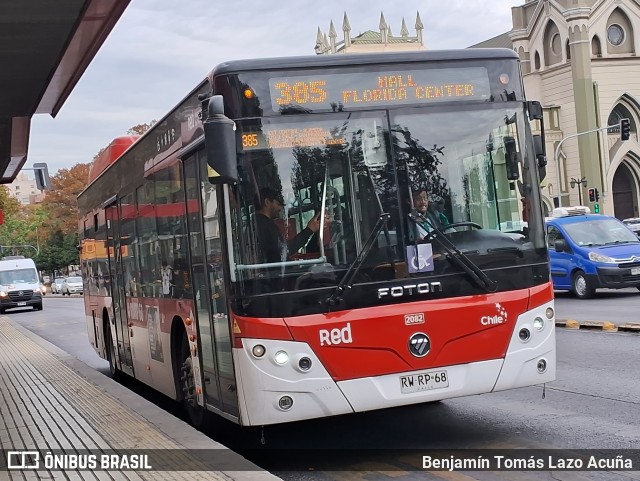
x=140 y=129
x=17 y=225
x=61 y=200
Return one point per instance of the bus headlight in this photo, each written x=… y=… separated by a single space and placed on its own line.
x=538 y=323
x=258 y=350
x=281 y=357
x=304 y=364
x=549 y=313
x=524 y=334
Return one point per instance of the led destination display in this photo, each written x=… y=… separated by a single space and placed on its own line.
x=378 y=89
x=289 y=138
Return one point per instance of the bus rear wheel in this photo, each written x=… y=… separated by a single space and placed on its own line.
x=114 y=372
x=195 y=413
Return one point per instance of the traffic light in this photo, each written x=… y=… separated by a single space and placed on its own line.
x=625 y=129
x=597 y=194
x=596 y=208
x=592 y=194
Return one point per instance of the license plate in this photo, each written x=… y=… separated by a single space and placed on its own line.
x=635 y=271
x=22 y=303
x=424 y=381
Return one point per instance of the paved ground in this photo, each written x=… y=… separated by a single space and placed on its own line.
x=74 y=419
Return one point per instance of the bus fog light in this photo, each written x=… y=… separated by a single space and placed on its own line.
x=549 y=313
x=285 y=403
x=538 y=323
x=524 y=334
x=281 y=357
x=258 y=350
x=542 y=366
x=304 y=363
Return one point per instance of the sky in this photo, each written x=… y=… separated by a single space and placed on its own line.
x=161 y=49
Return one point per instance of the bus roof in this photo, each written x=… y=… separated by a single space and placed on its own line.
x=361 y=59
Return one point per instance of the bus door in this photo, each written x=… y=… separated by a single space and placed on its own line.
x=209 y=290
x=115 y=287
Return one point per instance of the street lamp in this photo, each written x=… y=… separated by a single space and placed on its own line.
x=576 y=183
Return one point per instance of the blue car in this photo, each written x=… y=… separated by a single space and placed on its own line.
x=591 y=251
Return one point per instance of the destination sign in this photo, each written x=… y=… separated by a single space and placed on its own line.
x=379 y=89
x=278 y=138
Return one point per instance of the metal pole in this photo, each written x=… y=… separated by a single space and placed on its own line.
x=580 y=193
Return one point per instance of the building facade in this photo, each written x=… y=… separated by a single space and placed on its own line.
x=382 y=40
x=579 y=59
x=25 y=190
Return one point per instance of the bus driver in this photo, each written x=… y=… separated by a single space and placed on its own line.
x=272 y=246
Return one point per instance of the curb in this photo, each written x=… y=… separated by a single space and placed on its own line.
x=607 y=326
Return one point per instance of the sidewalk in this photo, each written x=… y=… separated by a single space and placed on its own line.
x=50 y=402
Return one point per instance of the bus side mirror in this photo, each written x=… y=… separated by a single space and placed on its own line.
x=535 y=110
x=511 y=158
x=220 y=143
x=538 y=149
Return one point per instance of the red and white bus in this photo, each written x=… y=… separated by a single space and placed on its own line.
x=381 y=306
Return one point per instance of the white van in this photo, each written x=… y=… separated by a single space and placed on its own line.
x=19 y=284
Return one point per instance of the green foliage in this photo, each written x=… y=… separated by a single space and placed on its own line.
x=60 y=253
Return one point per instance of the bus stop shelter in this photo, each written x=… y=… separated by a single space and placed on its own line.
x=45 y=47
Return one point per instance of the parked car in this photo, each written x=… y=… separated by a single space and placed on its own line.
x=72 y=285
x=633 y=223
x=589 y=251
x=56 y=285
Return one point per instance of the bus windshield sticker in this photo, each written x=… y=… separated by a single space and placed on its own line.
x=343 y=91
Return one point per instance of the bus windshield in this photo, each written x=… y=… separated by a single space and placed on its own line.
x=357 y=166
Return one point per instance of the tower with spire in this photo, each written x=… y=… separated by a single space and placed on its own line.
x=382 y=40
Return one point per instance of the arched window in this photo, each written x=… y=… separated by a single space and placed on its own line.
x=552 y=44
x=620 y=37
x=596 y=48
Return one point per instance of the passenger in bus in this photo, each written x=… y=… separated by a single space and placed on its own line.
x=432 y=213
x=271 y=244
x=166 y=273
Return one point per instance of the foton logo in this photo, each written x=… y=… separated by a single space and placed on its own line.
x=499 y=318
x=336 y=336
x=410 y=319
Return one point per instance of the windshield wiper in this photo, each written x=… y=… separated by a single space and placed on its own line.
x=346 y=282
x=454 y=254
x=619 y=242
